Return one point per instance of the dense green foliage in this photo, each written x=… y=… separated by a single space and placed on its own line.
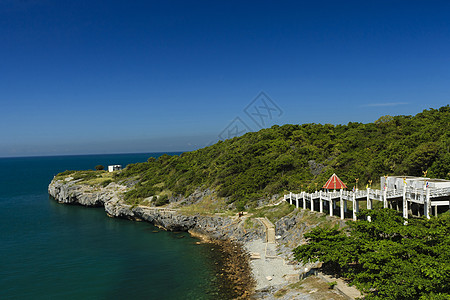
x=292 y=157
x=385 y=258
x=99 y=167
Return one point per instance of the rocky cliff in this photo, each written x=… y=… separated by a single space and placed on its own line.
x=223 y=231
x=110 y=197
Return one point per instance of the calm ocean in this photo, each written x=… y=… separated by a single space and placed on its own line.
x=56 y=251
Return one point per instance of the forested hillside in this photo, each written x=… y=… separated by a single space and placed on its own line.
x=295 y=157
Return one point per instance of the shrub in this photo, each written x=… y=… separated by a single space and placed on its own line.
x=162 y=200
x=106 y=182
x=331 y=285
x=65 y=173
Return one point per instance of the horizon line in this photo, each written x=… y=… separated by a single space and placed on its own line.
x=87 y=154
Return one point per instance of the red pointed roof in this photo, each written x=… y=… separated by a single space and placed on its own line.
x=334 y=183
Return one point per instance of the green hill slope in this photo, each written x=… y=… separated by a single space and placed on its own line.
x=292 y=157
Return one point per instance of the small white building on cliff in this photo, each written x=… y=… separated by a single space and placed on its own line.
x=112 y=168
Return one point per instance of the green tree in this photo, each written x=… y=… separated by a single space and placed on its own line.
x=385 y=258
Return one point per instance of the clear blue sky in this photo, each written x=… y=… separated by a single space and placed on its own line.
x=142 y=76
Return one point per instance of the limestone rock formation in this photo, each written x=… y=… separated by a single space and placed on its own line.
x=110 y=197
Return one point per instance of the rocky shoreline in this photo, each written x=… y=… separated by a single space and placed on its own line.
x=216 y=226
x=225 y=232
x=241 y=277
x=236 y=280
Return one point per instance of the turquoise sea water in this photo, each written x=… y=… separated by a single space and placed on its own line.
x=54 y=251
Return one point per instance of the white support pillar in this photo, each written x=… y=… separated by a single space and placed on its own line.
x=331 y=206
x=385 y=203
x=341 y=201
x=427 y=205
x=369 y=203
x=405 y=205
x=304 y=200
x=290 y=198
x=312 y=203
x=355 y=206
x=321 y=202
x=296 y=200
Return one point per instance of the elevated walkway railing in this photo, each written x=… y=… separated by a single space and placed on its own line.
x=428 y=198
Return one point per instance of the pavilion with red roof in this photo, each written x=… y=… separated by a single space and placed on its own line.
x=334 y=183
